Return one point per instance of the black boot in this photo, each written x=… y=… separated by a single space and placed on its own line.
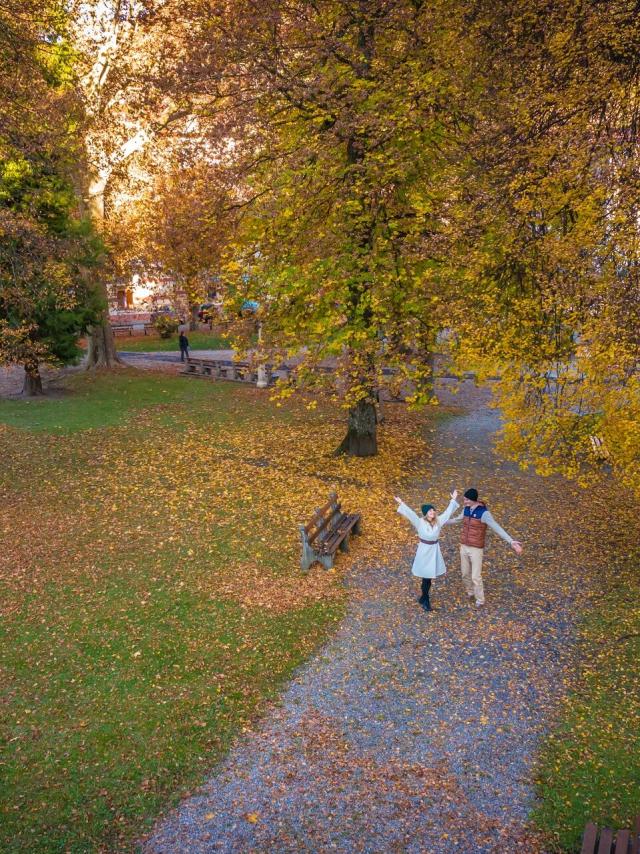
x=424 y=599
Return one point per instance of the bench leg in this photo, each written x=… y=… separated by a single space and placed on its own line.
x=326 y=561
x=356 y=527
x=344 y=545
x=308 y=554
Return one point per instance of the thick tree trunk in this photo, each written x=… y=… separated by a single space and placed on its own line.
x=361 y=439
x=32 y=380
x=193 y=323
x=102 y=346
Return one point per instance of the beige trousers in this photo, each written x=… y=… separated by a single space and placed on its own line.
x=471 y=565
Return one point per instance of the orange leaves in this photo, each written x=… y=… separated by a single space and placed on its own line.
x=217 y=494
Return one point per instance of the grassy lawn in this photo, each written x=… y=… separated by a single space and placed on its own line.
x=590 y=768
x=151 y=595
x=155 y=344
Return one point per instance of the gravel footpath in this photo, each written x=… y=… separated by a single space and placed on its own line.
x=408 y=731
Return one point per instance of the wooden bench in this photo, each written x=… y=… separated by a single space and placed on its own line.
x=227 y=369
x=122 y=328
x=328 y=531
x=128 y=328
x=222 y=369
x=601 y=841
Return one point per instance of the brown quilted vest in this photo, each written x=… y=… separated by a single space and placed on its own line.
x=473 y=530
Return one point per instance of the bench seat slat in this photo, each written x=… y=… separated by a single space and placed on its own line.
x=606 y=841
x=327 y=523
x=623 y=838
x=337 y=536
x=321 y=513
x=332 y=530
x=589 y=839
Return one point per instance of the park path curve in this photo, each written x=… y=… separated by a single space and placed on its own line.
x=411 y=732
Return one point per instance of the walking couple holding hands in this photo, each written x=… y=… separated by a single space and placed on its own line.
x=429 y=563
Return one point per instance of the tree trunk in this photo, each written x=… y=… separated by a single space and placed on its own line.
x=102 y=346
x=32 y=380
x=361 y=439
x=193 y=323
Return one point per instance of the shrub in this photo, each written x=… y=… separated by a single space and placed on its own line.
x=166 y=325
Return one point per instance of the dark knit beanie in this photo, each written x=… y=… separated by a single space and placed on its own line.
x=426 y=507
x=471 y=494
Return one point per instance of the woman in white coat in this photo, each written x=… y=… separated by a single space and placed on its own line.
x=428 y=562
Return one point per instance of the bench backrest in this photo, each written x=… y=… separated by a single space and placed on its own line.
x=602 y=841
x=323 y=517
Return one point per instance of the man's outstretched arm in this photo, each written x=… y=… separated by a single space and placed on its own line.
x=488 y=519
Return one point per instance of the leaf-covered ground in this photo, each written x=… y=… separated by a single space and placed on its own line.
x=152 y=602
x=150 y=586
x=419 y=733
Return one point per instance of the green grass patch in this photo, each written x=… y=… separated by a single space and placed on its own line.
x=120 y=703
x=590 y=769
x=155 y=344
x=91 y=401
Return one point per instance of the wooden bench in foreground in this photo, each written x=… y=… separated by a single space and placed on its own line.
x=328 y=531
x=601 y=840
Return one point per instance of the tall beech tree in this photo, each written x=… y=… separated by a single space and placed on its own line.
x=349 y=116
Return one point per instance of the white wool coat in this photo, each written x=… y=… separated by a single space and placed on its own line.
x=428 y=562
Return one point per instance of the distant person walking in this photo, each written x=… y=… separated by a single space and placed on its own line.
x=475 y=519
x=428 y=562
x=183 y=343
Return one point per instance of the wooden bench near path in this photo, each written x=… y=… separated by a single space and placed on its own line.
x=128 y=328
x=243 y=371
x=328 y=531
x=229 y=369
x=604 y=841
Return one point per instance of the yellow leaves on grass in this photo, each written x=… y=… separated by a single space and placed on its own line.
x=213 y=504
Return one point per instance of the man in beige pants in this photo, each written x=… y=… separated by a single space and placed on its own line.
x=475 y=520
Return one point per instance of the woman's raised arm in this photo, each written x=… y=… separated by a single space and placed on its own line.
x=407 y=512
